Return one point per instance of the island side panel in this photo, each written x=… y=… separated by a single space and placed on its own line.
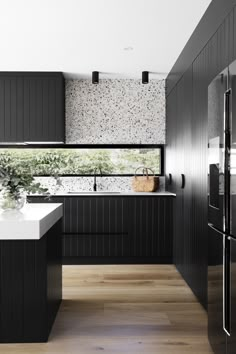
x=11 y=291
x=35 y=290
x=30 y=287
x=54 y=272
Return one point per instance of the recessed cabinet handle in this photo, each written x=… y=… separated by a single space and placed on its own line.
x=182 y=181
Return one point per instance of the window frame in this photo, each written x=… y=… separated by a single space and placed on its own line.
x=89 y=146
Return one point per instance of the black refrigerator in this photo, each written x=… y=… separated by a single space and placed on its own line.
x=222 y=212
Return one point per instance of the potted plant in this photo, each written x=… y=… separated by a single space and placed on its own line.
x=16 y=180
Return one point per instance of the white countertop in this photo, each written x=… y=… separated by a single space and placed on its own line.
x=29 y=223
x=97 y=194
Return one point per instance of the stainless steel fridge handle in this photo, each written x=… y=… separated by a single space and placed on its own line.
x=215 y=229
x=226 y=236
x=227 y=331
x=226 y=160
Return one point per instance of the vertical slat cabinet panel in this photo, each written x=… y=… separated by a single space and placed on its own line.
x=223 y=47
x=182 y=224
x=198 y=281
x=149 y=234
x=229 y=37
x=2 y=110
x=26 y=104
x=179 y=170
x=219 y=52
x=40 y=131
x=171 y=107
x=34 y=299
x=32 y=107
x=168 y=229
x=10 y=274
x=116 y=227
x=95 y=227
x=59 y=128
x=44 y=102
x=11 y=109
x=33 y=136
x=7 y=109
x=52 y=109
x=187 y=190
x=19 y=109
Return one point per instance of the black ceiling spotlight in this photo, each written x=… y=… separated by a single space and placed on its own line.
x=145 y=77
x=95 y=77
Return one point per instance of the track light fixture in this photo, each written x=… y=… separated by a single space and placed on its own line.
x=145 y=77
x=95 y=77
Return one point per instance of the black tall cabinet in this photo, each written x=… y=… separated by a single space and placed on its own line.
x=32 y=107
x=186 y=150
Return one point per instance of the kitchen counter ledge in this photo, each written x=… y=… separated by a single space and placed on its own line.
x=115 y=194
x=31 y=222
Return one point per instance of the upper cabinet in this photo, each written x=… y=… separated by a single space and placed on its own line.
x=32 y=107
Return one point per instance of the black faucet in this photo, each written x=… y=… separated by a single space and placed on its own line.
x=95 y=179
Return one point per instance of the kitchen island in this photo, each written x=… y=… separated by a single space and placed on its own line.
x=30 y=272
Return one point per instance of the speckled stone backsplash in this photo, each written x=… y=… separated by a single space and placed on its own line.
x=115 y=112
x=85 y=184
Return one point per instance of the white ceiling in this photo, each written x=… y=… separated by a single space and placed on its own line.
x=79 y=36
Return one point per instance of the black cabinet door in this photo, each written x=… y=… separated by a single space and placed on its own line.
x=170 y=160
x=151 y=227
x=44 y=108
x=95 y=227
x=32 y=107
x=216 y=334
x=231 y=341
x=11 y=108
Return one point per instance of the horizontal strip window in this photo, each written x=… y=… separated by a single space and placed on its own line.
x=87 y=161
x=46 y=145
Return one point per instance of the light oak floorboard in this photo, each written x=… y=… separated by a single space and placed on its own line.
x=141 y=309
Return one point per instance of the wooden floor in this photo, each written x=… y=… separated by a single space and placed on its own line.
x=144 y=309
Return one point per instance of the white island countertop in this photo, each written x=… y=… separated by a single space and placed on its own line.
x=103 y=194
x=29 y=223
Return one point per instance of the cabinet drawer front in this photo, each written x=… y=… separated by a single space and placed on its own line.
x=95 y=215
x=97 y=245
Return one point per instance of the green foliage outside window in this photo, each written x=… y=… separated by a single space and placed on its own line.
x=85 y=161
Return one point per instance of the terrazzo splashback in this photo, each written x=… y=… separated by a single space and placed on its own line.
x=115 y=112
x=85 y=184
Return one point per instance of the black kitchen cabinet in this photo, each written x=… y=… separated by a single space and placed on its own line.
x=216 y=333
x=32 y=107
x=150 y=228
x=30 y=287
x=115 y=229
x=187 y=116
x=170 y=161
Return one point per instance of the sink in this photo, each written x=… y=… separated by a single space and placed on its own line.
x=94 y=193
